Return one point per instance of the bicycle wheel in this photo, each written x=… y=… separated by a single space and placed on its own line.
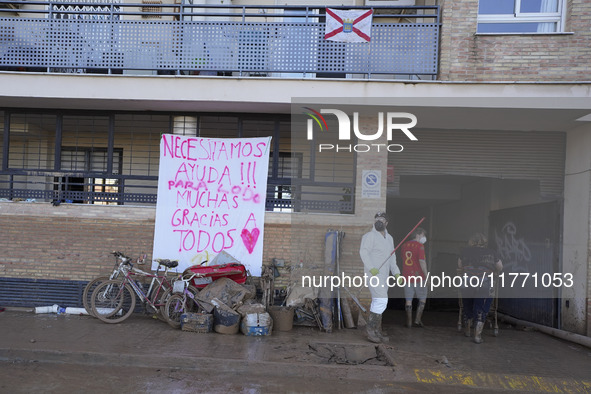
x=174 y=309
x=86 y=295
x=112 y=301
x=191 y=303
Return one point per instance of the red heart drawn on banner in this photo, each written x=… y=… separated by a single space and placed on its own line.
x=250 y=238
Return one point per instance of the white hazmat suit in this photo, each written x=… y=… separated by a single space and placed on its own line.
x=374 y=250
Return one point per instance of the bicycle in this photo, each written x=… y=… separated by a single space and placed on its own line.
x=181 y=301
x=120 y=260
x=114 y=301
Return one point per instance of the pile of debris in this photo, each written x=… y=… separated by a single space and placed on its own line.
x=227 y=307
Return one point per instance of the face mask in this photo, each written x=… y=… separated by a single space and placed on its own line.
x=379 y=225
x=423 y=240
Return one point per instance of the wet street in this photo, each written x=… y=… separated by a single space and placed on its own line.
x=65 y=353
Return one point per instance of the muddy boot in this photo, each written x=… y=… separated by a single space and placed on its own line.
x=371 y=327
x=408 y=309
x=467 y=327
x=478 y=332
x=381 y=334
x=420 y=309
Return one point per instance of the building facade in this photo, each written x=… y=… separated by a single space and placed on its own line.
x=501 y=96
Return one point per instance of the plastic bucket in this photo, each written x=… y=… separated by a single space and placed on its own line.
x=257 y=324
x=282 y=317
x=225 y=321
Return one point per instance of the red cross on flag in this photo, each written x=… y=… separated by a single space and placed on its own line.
x=348 y=25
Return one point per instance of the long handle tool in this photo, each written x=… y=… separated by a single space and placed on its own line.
x=375 y=271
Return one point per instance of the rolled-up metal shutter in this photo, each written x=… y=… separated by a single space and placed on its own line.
x=494 y=154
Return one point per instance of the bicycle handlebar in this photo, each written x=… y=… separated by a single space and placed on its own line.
x=127 y=260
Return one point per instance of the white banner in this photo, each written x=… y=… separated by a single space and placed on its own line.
x=211 y=198
x=348 y=25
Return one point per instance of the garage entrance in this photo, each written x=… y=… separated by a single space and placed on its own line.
x=523 y=228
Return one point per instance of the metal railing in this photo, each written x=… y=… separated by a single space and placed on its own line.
x=77 y=160
x=282 y=195
x=72 y=36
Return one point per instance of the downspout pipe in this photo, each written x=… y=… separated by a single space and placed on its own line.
x=568 y=336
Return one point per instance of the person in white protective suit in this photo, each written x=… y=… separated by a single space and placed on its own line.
x=377 y=247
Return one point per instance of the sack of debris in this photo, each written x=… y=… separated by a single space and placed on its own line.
x=225 y=290
x=225 y=319
x=298 y=295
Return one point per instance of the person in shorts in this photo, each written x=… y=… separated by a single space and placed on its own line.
x=414 y=271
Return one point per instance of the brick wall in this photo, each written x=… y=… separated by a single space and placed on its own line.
x=466 y=56
x=70 y=242
x=73 y=242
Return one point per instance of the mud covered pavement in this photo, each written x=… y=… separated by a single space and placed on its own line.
x=67 y=353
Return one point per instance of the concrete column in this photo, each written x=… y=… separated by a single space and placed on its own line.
x=374 y=161
x=576 y=308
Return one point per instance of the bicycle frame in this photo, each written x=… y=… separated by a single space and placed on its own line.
x=121 y=262
x=161 y=279
x=119 y=305
x=177 y=303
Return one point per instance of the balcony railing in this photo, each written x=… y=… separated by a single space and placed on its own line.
x=282 y=41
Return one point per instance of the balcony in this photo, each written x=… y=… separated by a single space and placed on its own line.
x=154 y=37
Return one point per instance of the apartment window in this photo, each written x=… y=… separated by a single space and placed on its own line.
x=87 y=187
x=520 y=16
x=282 y=172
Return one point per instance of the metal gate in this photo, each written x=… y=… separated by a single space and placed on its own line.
x=532 y=157
x=527 y=240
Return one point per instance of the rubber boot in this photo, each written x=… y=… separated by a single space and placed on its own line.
x=467 y=327
x=408 y=309
x=478 y=332
x=371 y=328
x=420 y=309
x=381 y=334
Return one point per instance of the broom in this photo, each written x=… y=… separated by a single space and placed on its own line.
x=375 y=271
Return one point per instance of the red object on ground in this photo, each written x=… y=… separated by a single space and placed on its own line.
x=207 y=274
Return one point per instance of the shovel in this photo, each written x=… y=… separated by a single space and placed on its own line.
x=375 y=271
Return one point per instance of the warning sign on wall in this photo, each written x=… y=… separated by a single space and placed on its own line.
x=371 y=186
